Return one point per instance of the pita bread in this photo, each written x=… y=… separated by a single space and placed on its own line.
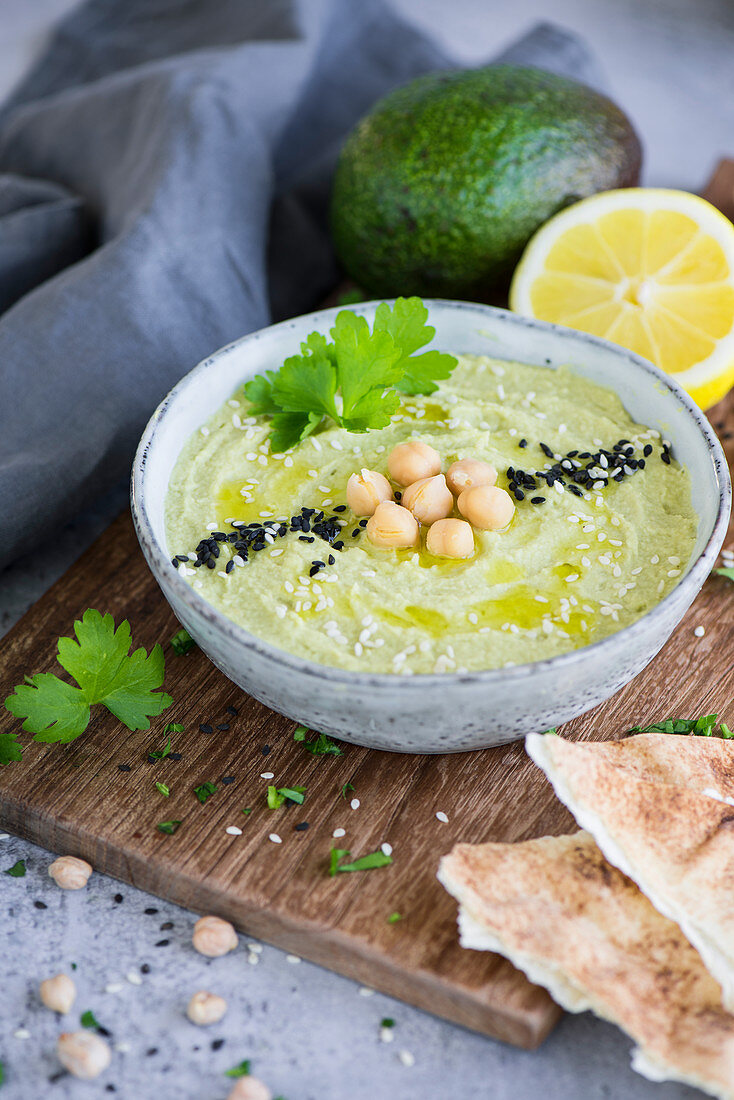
x=579 y=927
x=655 y=804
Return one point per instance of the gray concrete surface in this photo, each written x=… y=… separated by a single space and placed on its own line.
x=310 y=1034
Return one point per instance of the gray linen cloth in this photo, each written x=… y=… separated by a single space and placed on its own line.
x=164 y=176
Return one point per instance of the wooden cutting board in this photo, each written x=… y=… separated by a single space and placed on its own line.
x=96 y=798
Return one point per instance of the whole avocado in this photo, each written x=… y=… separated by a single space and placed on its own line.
x=439 y=188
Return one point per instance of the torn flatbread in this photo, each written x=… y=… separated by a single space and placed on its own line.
x=576 y=925
x=661 y=808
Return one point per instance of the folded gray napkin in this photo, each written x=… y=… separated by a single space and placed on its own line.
x=164 y=175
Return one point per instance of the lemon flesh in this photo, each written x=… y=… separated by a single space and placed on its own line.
x=650 y=269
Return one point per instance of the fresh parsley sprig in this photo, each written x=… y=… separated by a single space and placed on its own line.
x=100 y=662
x=353 y=380
x=319 y=744
x=706 y=726
x=364 y=863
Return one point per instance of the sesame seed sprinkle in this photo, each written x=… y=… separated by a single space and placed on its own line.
x=441 y=816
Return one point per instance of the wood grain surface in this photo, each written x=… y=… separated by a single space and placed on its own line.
x=75 y=799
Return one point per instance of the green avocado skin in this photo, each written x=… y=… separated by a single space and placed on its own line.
x=439 y=188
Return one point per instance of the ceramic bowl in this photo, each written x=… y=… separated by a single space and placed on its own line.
x=449 y=712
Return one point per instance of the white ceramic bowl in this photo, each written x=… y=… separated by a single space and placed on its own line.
x=452 y=711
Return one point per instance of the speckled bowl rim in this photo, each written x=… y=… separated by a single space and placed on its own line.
x=159 y=560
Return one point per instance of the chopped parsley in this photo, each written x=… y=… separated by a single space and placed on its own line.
x=88 y=1019
x=160 y=754
x=320 y=745
x=17 y=870
x=174 y=727
x=205 y=790
x=242 y=1069
x=182 y=642
x=168 y=827
x=367 y=368
x=551 y=730
x=2 y=1073
x=726 y=571
x=106 y=672
x=364 y=863
x=165 y=791
x=387 y=1021
x=394 y=918
x=347 y=787
x=277 y=796
x=702 y=727
x=247 y=810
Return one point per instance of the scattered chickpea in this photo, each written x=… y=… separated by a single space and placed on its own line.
x=487 y=507
x=214 y=937
x=366 y=490
x=250 y=1088
x=206 y=1008
x=58 y=993
x=450 y=538
x=70 y=873
x=83 y=1053
x=429 y=499
x=392 y=526
x=468 y=472
x=409 y=462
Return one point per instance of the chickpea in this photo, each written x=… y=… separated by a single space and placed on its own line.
x=429 y=499
x=366 y=490
x=468 y=472
x=487 y=507
x=250 y=1088
x=450 y=538
x=83 y=1053
x=214 y=937
x=70 y=873
x=392 y=526
x=58 y=993
x=409 y=462
x=206 y=1008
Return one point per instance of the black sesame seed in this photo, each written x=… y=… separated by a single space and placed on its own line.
x=575 y=489
x=223 y=726
x=123 y=767
x=640 y=464
x=546 y=450
x=40 y=905
x=301 y=827
x=314 y=570
x=162 y=943
x=175 y=756
x=145 y=968
x=167 y=926
x=332 y=559
x=204 y=727
x=665 y=457
x=229 y=566
x=537 y=500
x=151 y=1052
x=340 y=507
x=338 y=545
x=265 y=750
x=233 y=711
x=227 y=779
x=211 y=564
x=217 y=1044
x=118 y=898
x=647 y=450
x=523 y=443
x=150 y=911
x=519 y=495
x=306 y=538
x=104 y=1031
x=363 y=522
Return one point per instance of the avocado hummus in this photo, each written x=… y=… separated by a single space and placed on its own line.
x=603 y=527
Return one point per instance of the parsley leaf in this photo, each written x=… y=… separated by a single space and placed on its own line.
x=278 y=795
x=164 y=790
x=394 y=918
x=174 y=727
x=321 y=745
x=9 y=748
x=364 y=863
x=347 y=787
x=160 y=754
x=168 y=827
x=205 y=790
x=366 y=368
x=106 y=672
x=726 y=571
x=182 y=642
x=702 y=727
x=406 y=323
x=17 y=870
x=240 y=1070
x=88 y=1019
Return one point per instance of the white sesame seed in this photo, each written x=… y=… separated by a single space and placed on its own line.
x=233 y=830
x=442 y=817
x=473 y=618
x=134 y=978
x=558 y=486
x=365 y=991
x=674 y=572
x=386 y=849
x=252 y=958
x=267 y=775
x=293 y=959
x=654 y=559
x=674 y=560
x=22 y=1033
x=572 y=577
x=355 y=803
x=601 y=536
x=541 y=599
x=123 y=1048
x=636 y=572
x=585 y=562
x=221 y=573
x=114 y=987
x=700 y=631
x=275 y=838
x=204 y=431
x=386 y=1035
x=406 y=1058
x=339 y=832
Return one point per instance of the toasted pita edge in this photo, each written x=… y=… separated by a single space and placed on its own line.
x=474 y=935
x=539 y=748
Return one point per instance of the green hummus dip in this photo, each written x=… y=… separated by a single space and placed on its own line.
x=575 y=564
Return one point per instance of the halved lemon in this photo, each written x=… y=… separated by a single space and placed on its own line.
x=650 y=269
